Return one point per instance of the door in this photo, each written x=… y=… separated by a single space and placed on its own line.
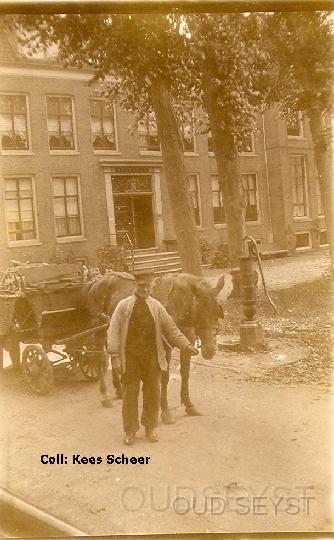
x=124 y=220
x=134 y=220
x=143 y=221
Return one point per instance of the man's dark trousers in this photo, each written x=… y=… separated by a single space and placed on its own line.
x=150 y=375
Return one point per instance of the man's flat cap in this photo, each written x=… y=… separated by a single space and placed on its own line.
x=143 y=276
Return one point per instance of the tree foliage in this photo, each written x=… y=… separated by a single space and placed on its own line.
x=228 y=48
x=127 y=52
x=301 y=47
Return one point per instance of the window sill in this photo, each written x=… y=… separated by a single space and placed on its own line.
x=220 y=225
x=297 y=137
x=64 y=153
x=24 y=243
x=211 y=154
x=107 y=152
x=247 y=154
x=258 y=222
x=323 y=246
x=17 y=153
x=150 y=153
x=68 y=239
x=302 y=218
x=307 y=248
x=190 y=154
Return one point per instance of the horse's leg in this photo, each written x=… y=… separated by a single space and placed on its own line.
x=102 y=362
x=117 y=382
x=185 y=398
x=166 y=415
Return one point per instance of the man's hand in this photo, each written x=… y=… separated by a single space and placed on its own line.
x=104 y=317
x=192 y=350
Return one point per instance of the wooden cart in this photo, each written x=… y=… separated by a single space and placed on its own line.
x=47 y=318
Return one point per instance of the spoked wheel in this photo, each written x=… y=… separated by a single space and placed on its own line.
x=37 y=369
x=88 y=364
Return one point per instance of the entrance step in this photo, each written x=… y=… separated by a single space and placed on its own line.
x=159 y=262
x=272 y=251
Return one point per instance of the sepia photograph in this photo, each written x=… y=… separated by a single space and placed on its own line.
x=166 y=270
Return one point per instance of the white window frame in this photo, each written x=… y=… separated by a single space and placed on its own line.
x=306 y=203
x=68 y=239
x=33 y=241
x=62 y=152
x=306 y=248
x=216 y=225
x=258 y=220
x=148 y=152
x=210 y=152
x=200 y=225
x=301 y=126
x=251 y=152
x=195 y=151
x=100 y=152
x=26 y=151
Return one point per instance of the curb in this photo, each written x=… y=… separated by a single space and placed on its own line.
x=21 y=519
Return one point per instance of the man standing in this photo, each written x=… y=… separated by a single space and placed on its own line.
x=136 y=335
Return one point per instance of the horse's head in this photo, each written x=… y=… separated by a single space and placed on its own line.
x=180 y=303
x=207 y=314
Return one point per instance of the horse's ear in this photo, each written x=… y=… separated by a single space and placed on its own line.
x=219 y=285
x=157 y=281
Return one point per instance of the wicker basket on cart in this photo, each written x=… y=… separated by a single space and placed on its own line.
x=53 y=300
x=7 y=310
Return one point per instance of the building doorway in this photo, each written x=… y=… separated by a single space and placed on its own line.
x=134 y=221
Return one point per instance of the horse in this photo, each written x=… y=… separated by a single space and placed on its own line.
x=192 y=303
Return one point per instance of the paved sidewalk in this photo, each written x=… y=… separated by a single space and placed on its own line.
x=282 y=273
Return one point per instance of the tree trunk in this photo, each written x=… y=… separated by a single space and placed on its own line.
x=323 y=158
x=176 y=178
x=226 y=154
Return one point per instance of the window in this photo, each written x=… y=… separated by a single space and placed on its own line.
x=294 y=126
x=66 y=206
x=60 y=123
x=102 y=124
x=250 y=194
x=247 y=145
x=210 y=144
x=14 y=122
x=194 y=191
x=217 y=200
x=148 y=134
x=20 y=214
x=297 y=172
x=303 y=240
x=187 y=133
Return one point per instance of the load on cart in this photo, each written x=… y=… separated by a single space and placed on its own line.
x=40 y=306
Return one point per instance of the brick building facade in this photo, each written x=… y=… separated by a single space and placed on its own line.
x=75 y=178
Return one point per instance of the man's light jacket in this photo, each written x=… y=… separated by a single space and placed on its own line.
x=165 y=329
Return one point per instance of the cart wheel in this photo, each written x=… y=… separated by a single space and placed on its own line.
x=88 y=364
x=37 y=369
